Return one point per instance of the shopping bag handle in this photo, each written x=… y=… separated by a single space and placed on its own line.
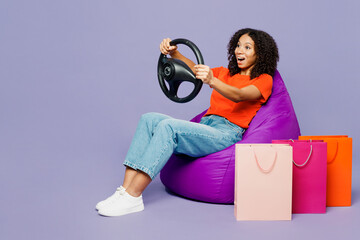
x=336 y=152
x=301 y=165
x=262 y=169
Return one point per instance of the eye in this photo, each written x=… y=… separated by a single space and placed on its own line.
x=247 y=47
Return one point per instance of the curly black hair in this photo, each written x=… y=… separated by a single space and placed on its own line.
x=266 y=51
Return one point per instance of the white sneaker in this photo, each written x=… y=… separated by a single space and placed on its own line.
x=121 y=205
x=120 y=190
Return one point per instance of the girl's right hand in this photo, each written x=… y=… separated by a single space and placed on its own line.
x=165 y=47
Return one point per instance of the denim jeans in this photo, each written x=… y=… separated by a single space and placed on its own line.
x=158 y=136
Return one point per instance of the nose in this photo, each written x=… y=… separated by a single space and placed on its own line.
x=238 y=49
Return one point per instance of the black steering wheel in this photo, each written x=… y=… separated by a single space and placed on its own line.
x=175 y=71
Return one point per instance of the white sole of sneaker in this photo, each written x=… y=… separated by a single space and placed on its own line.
x=134 y=209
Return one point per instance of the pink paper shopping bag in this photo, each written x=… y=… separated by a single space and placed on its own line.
x=263 y=181
x=309 y=175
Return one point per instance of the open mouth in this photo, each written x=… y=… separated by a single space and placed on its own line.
x=240 y=59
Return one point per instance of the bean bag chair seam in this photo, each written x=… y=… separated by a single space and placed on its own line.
x=225 y=173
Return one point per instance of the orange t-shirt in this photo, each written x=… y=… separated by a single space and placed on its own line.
x=240 y=113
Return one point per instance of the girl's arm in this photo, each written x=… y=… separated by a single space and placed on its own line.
x=204 y=73
x=166 y=48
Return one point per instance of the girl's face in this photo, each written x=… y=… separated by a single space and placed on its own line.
x=245 y=54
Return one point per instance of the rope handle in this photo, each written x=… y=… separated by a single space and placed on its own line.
x=262 y=169
x=336 y=152
x=311 y=149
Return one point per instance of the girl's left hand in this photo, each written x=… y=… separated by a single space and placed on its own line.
x=204 y=73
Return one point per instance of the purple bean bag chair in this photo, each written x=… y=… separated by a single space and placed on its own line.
x=211 y=178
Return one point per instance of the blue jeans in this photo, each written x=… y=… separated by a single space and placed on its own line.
x=158 y=136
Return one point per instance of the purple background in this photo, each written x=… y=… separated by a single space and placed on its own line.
x=75 y=76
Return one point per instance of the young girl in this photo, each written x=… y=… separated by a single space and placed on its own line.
x=238 y=93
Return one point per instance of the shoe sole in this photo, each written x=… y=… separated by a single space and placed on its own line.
x=121 y=213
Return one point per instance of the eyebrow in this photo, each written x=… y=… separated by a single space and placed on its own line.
x=246 y=43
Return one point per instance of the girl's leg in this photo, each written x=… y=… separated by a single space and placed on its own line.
x=138 y=184
x=173 y=135
x=144 y=132
x=129 y=176
x=193 y=139
x=142 y=137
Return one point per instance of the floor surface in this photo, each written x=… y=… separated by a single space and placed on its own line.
x=55 y=199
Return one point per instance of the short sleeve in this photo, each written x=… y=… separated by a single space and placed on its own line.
x=216 y=71
x=264 y=83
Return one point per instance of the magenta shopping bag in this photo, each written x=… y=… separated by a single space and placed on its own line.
x=309 y=175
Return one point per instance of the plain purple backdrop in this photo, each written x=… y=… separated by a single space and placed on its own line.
x=75 y=76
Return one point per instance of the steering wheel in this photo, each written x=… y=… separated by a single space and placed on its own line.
x=175 y=71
